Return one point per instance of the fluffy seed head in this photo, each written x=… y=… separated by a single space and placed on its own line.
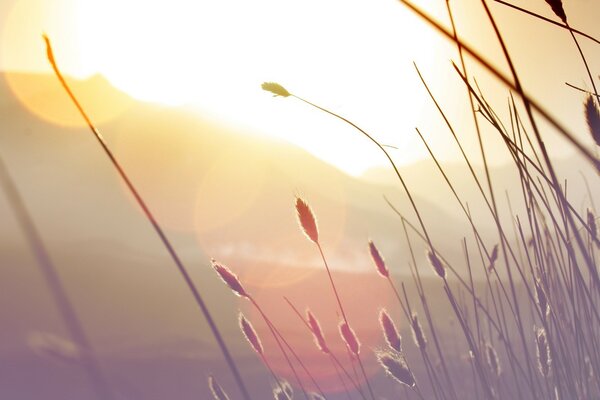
x=349 y=338
x=391 y=334
x=557 y=8
x=541 y=299
x=492 y=359
x=318 y=335
x=543 y=352
x=395 y=366
x=230 y=279
x=279 y=394
x=436 y=264
x=216 y=389
x=378 y=260
x=49 y=52
x=287 y=388
x=418 y=334
x=250 y=334
x=592 y=115
x=276 y=89
x=307 y=220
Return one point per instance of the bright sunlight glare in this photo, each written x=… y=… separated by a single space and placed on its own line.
x=212 y=56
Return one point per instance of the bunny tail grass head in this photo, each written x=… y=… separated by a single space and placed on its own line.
x=283 y=391
x=349 y=338
x=276 y=89
x=49 y=52
x=592 y=116
x=287 y=388
x=390 y=332
x=317 y=332
x=418 y=334
x=395 y=366
x=307 y=220
x=541 y=299
x=543 y=352
x=250 y=334
x=216 y=389
x=557 y=8
x=436 y=264
x=492 y=359
x=230 y=279
x=279 y=394
x=378 y=260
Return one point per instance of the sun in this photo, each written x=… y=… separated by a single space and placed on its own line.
x=351 y=56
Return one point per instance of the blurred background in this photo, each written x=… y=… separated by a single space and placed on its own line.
x=174 y=87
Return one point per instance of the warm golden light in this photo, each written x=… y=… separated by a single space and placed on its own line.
x=213 y=56
x=41 y=94
x=216 y=54
x=420 y=176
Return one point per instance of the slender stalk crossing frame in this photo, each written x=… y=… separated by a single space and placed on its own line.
x=157 y=228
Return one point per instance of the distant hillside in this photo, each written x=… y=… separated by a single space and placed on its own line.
x=205 y=181
x=427 y=182
x=220 y=193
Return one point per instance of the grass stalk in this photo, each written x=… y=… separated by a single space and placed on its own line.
x=157 y=227
x=73 y=324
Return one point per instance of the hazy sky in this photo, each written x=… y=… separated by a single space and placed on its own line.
x=353 y=56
